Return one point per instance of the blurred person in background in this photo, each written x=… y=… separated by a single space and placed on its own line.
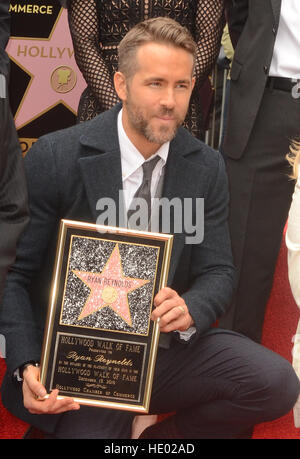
x=13 y=194
x=293 y=245
x=263 y=117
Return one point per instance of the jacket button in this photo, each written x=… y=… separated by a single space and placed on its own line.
x=266 y=69
x=274 y=30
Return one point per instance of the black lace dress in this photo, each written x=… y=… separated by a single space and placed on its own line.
x=97 y=26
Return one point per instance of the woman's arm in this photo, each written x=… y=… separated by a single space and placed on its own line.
x=84 y=27
x=210 y=21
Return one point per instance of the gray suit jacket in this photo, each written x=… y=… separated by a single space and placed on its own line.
x=250 y=67
x=68 y=171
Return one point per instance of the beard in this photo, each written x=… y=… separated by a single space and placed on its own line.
x=142 y=124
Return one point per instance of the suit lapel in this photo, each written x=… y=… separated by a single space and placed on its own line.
x=180 y=179
x=276 y=7
x=102 y=179
x=101 y=162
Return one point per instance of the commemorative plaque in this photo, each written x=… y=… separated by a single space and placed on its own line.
x=100 y=343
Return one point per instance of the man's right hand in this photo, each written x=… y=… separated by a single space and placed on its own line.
x=34 y=393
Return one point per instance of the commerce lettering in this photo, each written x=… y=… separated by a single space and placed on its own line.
x=31 y=9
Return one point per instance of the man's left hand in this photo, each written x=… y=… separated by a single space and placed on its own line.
x=172 y=311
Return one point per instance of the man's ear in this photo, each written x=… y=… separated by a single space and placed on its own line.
x=120 y=85
x=193 y=82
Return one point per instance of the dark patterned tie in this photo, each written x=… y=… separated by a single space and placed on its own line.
x=144 y=191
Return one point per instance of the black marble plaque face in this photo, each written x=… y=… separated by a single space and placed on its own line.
x=100 y=343
x=111 y=369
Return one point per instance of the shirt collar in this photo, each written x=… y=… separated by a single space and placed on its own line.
x=131 y=158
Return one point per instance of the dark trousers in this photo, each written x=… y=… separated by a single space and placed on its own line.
x=260 y=197
x=219 y=387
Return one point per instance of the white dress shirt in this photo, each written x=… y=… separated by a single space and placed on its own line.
x=132 y=176
x=132 y=160
x=286 y=56
x=293 y=245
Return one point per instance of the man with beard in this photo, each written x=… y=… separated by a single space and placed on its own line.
x=218 y=382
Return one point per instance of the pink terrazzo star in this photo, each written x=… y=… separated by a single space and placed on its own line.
x=109 y=288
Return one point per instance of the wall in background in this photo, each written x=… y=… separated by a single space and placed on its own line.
x=45 y=83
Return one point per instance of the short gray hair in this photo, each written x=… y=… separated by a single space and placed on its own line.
x=162 y=30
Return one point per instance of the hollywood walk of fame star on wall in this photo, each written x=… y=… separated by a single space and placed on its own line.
x=47 y=62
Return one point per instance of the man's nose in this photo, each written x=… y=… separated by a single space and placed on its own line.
x=168 y=98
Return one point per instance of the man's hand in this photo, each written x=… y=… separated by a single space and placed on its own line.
x=172 y=311
x=34 y=391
